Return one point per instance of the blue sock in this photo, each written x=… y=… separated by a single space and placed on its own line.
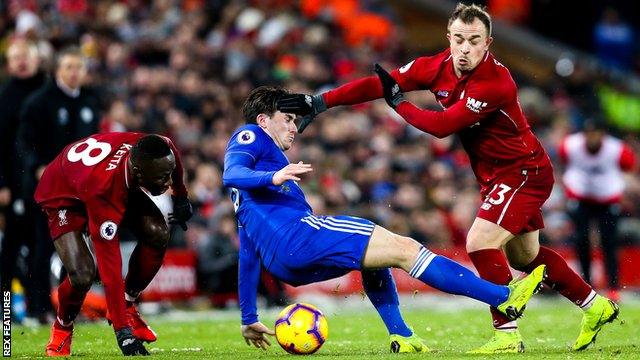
x=381 y=290
x=447 y=275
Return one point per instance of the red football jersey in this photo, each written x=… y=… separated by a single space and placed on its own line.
x=93 y=171
x=481 y=107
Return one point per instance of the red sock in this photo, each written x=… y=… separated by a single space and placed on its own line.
x=492 y=266
x=560 y=276
x=143 y=266
x=70 y=301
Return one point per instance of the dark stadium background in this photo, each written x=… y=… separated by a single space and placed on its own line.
x=183 y=68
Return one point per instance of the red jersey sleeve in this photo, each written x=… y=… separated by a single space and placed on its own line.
x=416 y=75
x=104 y=220
x=178 y=186
x=627 y=158
x=480 y=100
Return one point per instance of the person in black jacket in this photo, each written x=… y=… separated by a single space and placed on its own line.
x=24 y=78
x=58 y=113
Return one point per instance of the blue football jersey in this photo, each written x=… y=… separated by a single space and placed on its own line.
x=262 y=208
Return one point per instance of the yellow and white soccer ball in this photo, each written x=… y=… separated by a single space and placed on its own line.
x=301 y=329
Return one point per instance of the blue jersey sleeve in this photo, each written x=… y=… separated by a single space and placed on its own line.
x=243 y=151
x=248 y=277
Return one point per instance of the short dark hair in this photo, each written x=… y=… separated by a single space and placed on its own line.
x=150 y=147
x=467 y=13
x=594 y=122
x=71 y=50
x=261 y=100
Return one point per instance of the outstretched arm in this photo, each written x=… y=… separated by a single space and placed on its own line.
x=461 y=115
x=249 y=269
x=239 y=173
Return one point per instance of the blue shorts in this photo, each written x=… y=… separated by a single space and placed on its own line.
x=319 y=248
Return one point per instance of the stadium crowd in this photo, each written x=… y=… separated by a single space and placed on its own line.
x=183 y=68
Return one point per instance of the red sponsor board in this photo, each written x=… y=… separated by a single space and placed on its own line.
x=176 y=279
x=352 y=282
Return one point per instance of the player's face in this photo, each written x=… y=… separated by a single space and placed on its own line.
x=594 y=139
x=155 y=175
x=468 y=43
x=281 y=128
x=22 y=60
x=71 y=71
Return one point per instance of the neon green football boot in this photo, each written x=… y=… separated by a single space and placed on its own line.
x=520 y=291
x=602 y=311
x=407 y=344
x=502 y=342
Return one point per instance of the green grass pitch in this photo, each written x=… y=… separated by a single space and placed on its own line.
x=549 y=327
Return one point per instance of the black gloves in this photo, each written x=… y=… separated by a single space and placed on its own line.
x=182 y=212
x=307 y=106
x=390 y=88
x=129 y=345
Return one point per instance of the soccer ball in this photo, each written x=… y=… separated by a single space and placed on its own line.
x=301 y=329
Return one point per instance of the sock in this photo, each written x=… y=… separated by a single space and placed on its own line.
x=560 y=276
x=70 y=301
x=143 y=266
x=447 y=275
x=381 y=290
x=588 y=301
x=59 y=324
x=492 y=266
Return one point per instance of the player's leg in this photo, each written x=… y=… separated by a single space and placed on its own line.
x=484 y=243
x=381 y=290
x=147 y=223
x=327 y=247
x=507 y=210
x=598 y=310
x=581 y=217
x=608 y=224
x=78 y=261
x=387 y=249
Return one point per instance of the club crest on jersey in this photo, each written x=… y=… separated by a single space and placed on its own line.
x=475 y=105
x=108 y=230
x=246 y=137
x=62 y=217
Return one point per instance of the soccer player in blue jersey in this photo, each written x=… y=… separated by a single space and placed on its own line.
x=279 y=231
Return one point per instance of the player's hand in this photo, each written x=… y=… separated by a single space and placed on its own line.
x=290 y=172
x=307 y=106
x=390 y=88
x=129 y=345
x=182 y=212
x=254 y=334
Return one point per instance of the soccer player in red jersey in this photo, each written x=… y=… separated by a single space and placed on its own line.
x=94 y=186
x=480 y=105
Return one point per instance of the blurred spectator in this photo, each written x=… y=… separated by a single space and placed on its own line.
x=218 y=261
x=22 y=66
x=594 y=184
x=218 y=267
x=58 y=113
x=183 y=68
x=614 y=40
x=511 y=11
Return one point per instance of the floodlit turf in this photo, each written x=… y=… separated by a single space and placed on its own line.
x=549 y=327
